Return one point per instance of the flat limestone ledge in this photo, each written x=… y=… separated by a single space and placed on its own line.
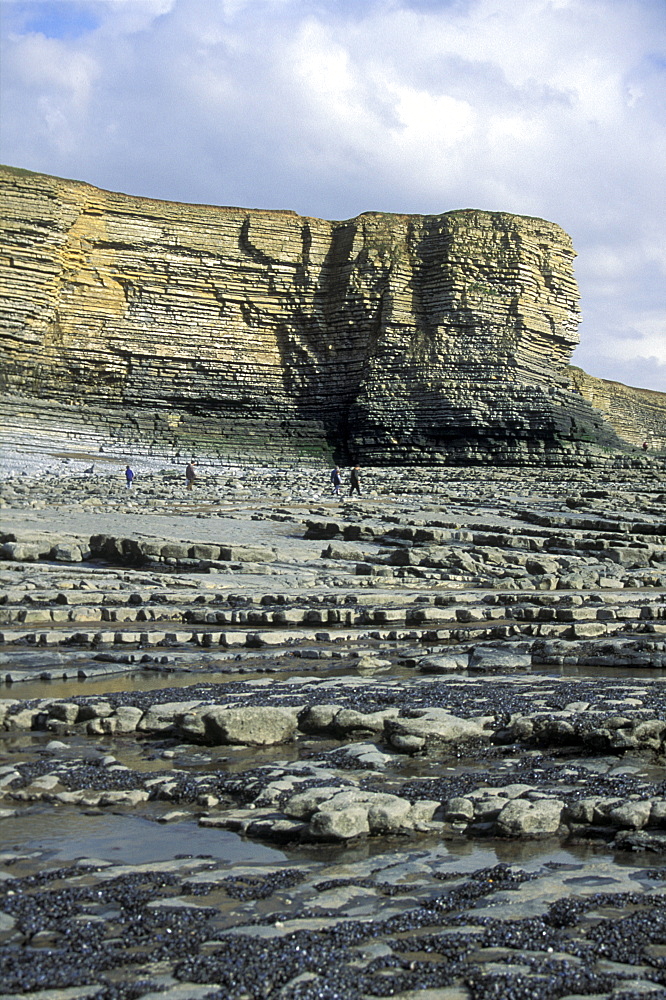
x=580 y=726
x=20 y=546
x=276 y=638
x=477 y=651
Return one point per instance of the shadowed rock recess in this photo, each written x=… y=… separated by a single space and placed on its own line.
x=165 y=328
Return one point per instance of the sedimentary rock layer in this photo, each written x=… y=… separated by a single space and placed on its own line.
x=637 y=415
x=240 y=333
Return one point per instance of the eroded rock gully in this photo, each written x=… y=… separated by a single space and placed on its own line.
x=138 y=327
x=438 y=710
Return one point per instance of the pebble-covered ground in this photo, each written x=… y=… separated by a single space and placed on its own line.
x=260 y=742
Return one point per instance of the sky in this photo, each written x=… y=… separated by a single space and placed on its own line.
x=547 y=108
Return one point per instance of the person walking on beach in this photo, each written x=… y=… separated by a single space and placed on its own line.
x=355 y=480
x=190 y=474
x=129 y=476
x=336 y=479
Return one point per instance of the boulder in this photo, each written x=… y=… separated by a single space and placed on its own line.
x=631 y=815
x=175 y=550
x=499 y=658
x=127 y=718
x=251 y=726
x=352 y=812
x=407 y=742
x=160 y=717
x=322 y=529
x=94 y=710
x=581 y=810
x=443 y=663
x=25 y=551
x=64 y=711
x=658 y=812
x=488 y=807
x=459 y=810
x=350 y=553
x=106 y=547
x=247 y=553
x=640 y=840
x=432 y=725
x=67 y=552
x=204 y=551
x=651 y=734
x=389 y=813
x=522 y=818
x=348 y=721
x=303 y=805
x=318 y=718
x=341 y=813
x=421 y=813
x=340 y=824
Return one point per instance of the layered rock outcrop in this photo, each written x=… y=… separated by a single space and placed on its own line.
x=136 y=324
x=637 y=415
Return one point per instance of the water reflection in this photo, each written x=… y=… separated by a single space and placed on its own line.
x=67 y=835
x=253 y=669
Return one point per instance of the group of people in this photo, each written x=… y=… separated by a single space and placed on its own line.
x=354 y=481
x=336 y=478
x=190 y=475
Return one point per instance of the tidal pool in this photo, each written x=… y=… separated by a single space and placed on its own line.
x=68 y=834
x=249 y=669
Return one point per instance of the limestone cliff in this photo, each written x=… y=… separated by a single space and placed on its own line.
x=243 y=333
x=637 y=415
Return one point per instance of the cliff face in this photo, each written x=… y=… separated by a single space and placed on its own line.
x=252 y=333
x=637 y=415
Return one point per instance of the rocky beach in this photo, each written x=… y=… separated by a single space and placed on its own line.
x=264 y=743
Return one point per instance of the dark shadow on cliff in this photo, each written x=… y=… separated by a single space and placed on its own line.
x=475 y=406
x=324 y=346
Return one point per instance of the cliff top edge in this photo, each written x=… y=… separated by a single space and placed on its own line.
x=22 y=172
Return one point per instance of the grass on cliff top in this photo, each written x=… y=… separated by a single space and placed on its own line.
x=22 y=172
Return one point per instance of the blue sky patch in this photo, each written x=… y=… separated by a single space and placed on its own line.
x=59 y=18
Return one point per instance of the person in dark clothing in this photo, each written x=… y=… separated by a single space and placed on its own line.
x=190 y=474
x=355 y=481
x=129 y=476
x=336 y=479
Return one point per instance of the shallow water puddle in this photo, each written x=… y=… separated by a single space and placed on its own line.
x=232 y=671
x=138 y=680
x=67 y=834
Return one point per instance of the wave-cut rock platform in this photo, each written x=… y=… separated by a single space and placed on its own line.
x=260 y=741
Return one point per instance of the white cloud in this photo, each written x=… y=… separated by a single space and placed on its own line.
x=49 y=68
x=551 y=108
x=127 y=17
